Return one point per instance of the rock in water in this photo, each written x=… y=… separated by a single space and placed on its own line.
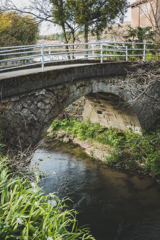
x=66 y=139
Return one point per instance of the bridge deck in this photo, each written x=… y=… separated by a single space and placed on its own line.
x=17 y=73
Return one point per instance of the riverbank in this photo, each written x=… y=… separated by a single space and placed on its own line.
x=120 y=149
x=93 y=148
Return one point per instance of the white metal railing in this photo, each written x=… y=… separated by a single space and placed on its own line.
x=31 y=55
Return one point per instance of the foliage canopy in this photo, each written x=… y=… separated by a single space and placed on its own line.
x=16 y=29
x=140 y=34
x=96 y=15
x=87 y=14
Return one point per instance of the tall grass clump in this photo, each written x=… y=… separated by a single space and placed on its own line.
x=26 y=214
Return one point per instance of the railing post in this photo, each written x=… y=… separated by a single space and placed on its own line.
x=101 y=52
x=49 y=50
x=157 y=55
x=93 y=50
x=144 y=52
x=126 y=53
x=42 y=53
x=67 y=48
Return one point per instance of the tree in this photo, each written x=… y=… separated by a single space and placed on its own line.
x=95 y=15
x=92 y=15
x=71 y=15
x=60 y=15
x=64 y=16
x=140 y=35
x=16 y=29
x=57 y=12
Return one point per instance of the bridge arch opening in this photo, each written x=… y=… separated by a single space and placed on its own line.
x=108 y=109
x=111 y=111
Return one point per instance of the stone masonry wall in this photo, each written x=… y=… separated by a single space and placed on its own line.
x=28 y=115
x=76 y=109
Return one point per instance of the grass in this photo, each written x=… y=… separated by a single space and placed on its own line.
x=26 y=214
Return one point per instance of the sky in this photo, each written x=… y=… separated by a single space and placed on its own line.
x=128 y=14
x=46 y=30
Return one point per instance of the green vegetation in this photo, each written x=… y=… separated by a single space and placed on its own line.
x=96 y=15
x=25 y=213
x=132 y=151
x=74 y=15
x=93 y=15
x=16 y=29
x=137 y=35
x=85 y=130
x=140 y=34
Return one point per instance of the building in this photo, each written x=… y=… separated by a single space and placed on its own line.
x=145 y=13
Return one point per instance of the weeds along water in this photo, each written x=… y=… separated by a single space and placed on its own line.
x=25 y=213
x=128 y=149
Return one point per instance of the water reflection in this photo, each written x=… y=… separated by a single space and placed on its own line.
x=116 y=204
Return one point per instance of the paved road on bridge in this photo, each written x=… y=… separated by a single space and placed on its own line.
x=17 y=73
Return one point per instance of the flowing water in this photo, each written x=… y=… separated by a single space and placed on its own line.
x=115 y=204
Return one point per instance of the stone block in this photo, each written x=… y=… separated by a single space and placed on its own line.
x=41 y=105
x=40 y=92
x=27 y=104
x=13 y=99
x=33 y=108
x=25 y=113
x=60 y=87
x=47 y=100
x=40 y=115
x=4 y=123
x=47 y=111
x=40 y=98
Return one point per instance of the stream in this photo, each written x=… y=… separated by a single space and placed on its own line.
x=115 y=204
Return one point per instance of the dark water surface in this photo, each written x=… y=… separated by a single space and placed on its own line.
x=116 y=204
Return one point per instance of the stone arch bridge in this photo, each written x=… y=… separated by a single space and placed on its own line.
x=31 y=101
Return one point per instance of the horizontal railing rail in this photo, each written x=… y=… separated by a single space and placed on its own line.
x=15 y=57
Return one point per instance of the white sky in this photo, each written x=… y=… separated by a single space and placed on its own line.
x=128 y=14
x=44 y=29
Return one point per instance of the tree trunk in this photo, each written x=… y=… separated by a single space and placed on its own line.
x=73 y=39
x=66 y=41
x=86 y=38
